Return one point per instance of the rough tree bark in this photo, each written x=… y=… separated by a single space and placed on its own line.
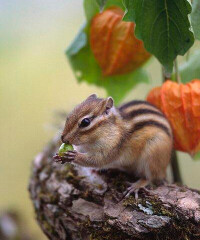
x=75 y=203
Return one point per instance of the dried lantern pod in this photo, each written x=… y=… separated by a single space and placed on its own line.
x=114 y=44
x=181 y=105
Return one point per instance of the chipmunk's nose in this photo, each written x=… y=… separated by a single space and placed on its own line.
x=64 y=140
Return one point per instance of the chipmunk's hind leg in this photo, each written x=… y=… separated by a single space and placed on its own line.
x=135 y=187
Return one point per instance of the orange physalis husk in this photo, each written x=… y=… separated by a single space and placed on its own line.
x=114 y=44
x=181 y=105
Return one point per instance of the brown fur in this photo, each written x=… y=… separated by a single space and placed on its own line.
x=114 y=141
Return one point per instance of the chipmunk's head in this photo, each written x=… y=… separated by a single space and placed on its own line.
x=89 y=121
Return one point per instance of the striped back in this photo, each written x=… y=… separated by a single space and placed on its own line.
x=144 y=114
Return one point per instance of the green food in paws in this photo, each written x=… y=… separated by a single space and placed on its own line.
x=64 y=148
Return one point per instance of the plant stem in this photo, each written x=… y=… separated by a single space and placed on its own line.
x=177 y=77
x=174 y=160
x=165 y=75
x=175 y=168
x=187 y=55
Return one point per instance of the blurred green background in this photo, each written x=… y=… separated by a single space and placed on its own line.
x=35 y=81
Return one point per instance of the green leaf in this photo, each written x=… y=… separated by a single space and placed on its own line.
x=164 y=27
x=91 y=8
x=129 y=15
x=190 y=69
x=79 y=42
x=195 y=18
x=111 y=3
x=101 y=4
x=86 y=69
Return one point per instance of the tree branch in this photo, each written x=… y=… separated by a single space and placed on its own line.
x=76 y=203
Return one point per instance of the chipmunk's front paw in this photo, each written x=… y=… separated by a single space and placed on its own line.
x=69 y=156
x=58 y=158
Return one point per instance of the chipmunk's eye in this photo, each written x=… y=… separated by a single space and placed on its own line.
x=85 y=122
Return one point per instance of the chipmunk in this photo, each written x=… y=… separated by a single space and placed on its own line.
x=135 y=137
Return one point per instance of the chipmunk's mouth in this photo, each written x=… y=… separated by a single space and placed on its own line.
x=75 y=142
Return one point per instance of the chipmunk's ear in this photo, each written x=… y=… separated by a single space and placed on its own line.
x=108 y=104
x=91 y=97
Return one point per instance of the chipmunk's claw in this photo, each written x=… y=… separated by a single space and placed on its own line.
x=130 y=190
x=58 y=159
x=135 y=188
